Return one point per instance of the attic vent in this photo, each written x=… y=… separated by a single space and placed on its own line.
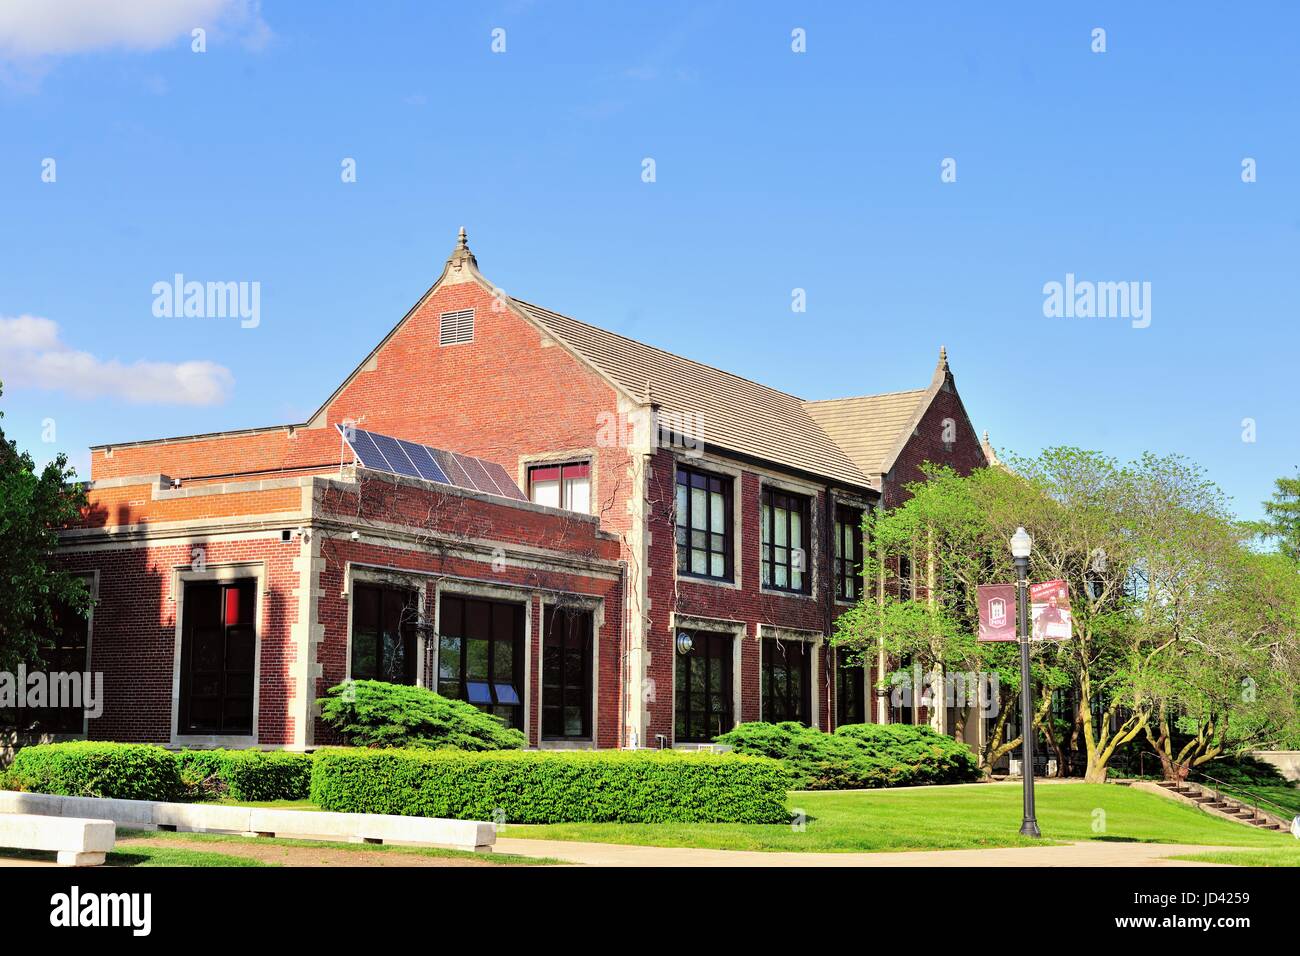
x=457 y=327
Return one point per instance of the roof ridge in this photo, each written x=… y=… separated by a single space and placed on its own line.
x=855 y=398
x=662 y=351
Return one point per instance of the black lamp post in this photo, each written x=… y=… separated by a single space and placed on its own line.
x=1021 y=545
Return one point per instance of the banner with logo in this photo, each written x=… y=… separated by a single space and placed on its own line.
x=1049 y=609
x=997 y=612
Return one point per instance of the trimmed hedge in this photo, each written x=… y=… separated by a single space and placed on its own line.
x=858 y=756
x=371 y=713
x=147 y=772
x=570 y=787
x=246 y=774
x=97 y=769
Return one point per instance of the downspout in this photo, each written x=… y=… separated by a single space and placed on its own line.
x=828 y=538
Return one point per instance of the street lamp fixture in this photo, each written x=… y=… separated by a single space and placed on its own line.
x=1021 y=547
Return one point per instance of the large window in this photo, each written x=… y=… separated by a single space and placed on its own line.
x=384 y=634
x=481 y=655
x=562 y=486
x=218 y=648
x=787 y=681
x=64 y=654
x=703 y=688
x=785 y=541
x=850 y=695
x=566 y=674
x=703 y=524
x=848 y=553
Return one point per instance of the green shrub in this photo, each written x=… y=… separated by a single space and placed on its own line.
x=95 y=769
x=10 y=781
x=857 y=756
x=370 y=713
x=571 y=787
x=245 y=774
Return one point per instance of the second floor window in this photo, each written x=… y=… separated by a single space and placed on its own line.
x=566 y=486
x=785 y=541
x=904 y=578
x=848 y=553
x=703 y=524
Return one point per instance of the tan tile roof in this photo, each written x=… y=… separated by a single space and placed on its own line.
x=868 y=427
x=741 y=415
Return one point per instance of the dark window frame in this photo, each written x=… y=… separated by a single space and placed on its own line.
x=225 y=726
x=774 y=499
x=711 y=484
x=458 y=606
x=906 y=569
x=408 y=599
x=848 y=569
x=855 y=676
x=67 y=653
x=575 y=626
x=713 y=650
x=777 y=658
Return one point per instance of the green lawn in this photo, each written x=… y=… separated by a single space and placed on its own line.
x=1285 y=798
x=978 y=815
x=1280 y=856
x=147 y=856
x=218 y=838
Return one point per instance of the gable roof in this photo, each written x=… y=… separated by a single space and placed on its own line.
x=842 y=439
x=850 y=440
x=869 y=427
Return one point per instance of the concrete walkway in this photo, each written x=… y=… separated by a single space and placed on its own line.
x=1085 y=853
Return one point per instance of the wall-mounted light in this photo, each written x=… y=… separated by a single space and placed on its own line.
x=684 y=642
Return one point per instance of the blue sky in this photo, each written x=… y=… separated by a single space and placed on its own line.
x=775 y=170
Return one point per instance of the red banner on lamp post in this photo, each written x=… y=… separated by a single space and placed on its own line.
x=997 y=612
x=1049 y=608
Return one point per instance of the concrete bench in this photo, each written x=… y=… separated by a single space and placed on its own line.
x=472 y=835
x=77 y=841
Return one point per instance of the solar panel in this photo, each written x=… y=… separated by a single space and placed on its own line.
x=423 y=462
x=397 y=460
x=398 y=456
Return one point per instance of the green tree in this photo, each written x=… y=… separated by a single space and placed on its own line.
x=33 y=506
x=1282 y=517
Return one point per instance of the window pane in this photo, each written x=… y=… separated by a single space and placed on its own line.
x=766 y=523
x=578 y=493
x=717 y=565
x=681 y=504
x=718 y=513
x=547 y=493
x=699 y=508
x=449 y=658
x=781 y=528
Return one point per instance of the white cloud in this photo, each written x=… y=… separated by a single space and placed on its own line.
x=37 y=28
x=32 y=355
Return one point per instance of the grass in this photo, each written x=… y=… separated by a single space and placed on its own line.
x=218 y=838
x=938 y=818
x=1286 y=798
x=147 y=856
x=1279 y=856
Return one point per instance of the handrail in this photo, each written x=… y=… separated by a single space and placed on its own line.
x=1255 y=801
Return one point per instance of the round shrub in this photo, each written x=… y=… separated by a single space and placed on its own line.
x=370 y=713
x=857 y=756
x=97 y=769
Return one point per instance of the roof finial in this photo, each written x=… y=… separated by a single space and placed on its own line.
x=943 y=355
x=461 y=254
x=648 y=398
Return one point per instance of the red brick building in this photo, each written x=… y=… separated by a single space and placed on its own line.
x=664 y=556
